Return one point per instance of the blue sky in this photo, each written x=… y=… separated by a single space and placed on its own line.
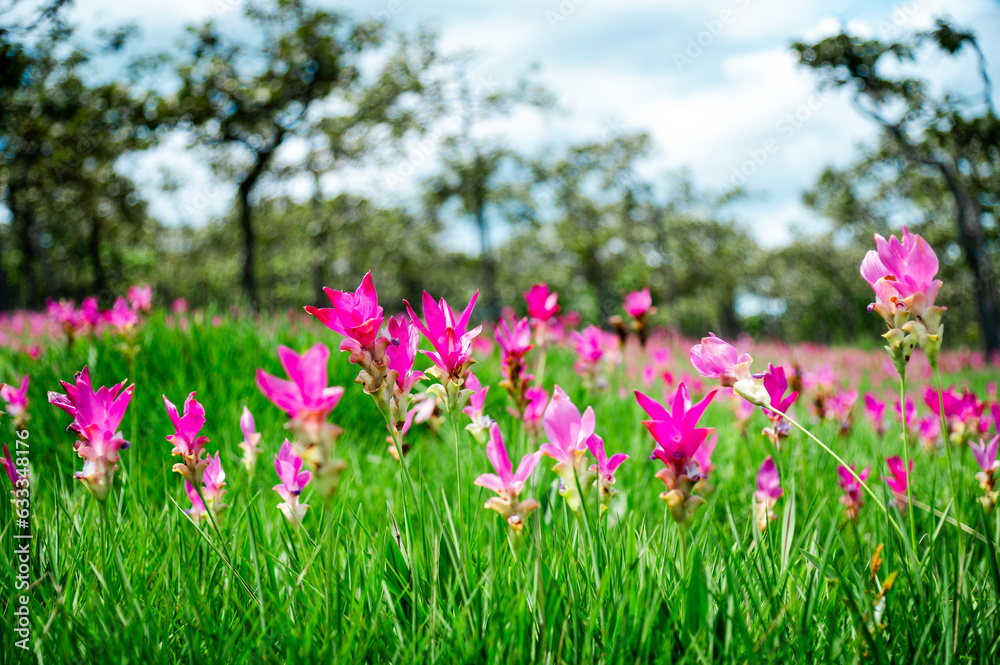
x=714 y=82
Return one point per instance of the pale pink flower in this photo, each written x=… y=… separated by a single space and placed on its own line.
x=251 y=440
x=507 y=483
x=293 y=479
x=897 y=270
x=768 y=492
x=141 y=297
x=853 y=497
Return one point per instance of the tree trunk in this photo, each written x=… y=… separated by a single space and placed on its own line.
x=319 y=265
x=970 y=233
x=100 y=278
x=249 y=241
x=486 y=257
x=23 y=223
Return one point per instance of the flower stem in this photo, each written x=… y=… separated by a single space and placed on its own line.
x=844 y=464
x=956 y=501
x=906 y=462
x=458 y=464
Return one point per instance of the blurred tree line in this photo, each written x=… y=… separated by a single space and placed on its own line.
x=349 y=93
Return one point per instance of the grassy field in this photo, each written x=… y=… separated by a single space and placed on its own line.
x=148 y=585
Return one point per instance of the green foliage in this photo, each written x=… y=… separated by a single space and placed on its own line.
x=342 y=588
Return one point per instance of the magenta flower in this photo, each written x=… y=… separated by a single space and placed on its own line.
x=448 y=334
x=402 y=351
x=141 y=297
x=679 y=442
x=17 y=402
x=542 y=305
x=121 y=317
x=776 y=385
x=212 y=490
x=293 y=479
x=703 y=456
x=306 y=398
x=898 y=480
x=911 y=412
x=477 y=400
x=986 y=458
x=853 y=498
x=839 y=408
x=507 y=483
x=875 y=408
x=677 y=434
x=567 y=432
x=605 y=468
x=251 y=440
x=90 y=313
x=97 y=417
x=10 y=467
x=537 y=399
x=899 y=270
x=186 y=440
x=514 y=339
x=357 y=316
x=637 y=303
x=179 y=306
x=768 y=492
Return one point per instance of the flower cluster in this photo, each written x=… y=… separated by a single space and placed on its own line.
x=308 y=401
x=901 y=272
x=96 y=418
x=681 y=448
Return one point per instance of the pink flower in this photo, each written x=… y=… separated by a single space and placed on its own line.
x=986 y=454
x=542 y=305
x=875 y=408
x=402 y=350
x=898 y=481
x=768 y=482
x=515 y=339
x=840 y=407
x=97 y=416
x=121 y=317
x=293 y=479
x=251 y=439
x=215 y=479
x=306 y=398
x=538 y=399
x=677 y=434
x=605 y=468
x=477 y=401
x=898 y=270
x=357 y=316
x=637 y=303
x=589 y=344
x=768 y=492
x=715 y=358
x=852 y=497
x=448 y=334
x=703 y=456
x=507 y=483
x=89 y=312
x=186 y=440
x=567 y=432
x=141 y=297
x=776 y=384
x=10 y=467
x=911 y=411
x=16 y=399
x=179 y=306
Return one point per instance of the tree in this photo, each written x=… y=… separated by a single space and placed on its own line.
x=484 y=176
x=955 y=137
x=60 y=139
x=302 y=76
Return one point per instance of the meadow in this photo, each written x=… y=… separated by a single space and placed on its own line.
x=402 y=563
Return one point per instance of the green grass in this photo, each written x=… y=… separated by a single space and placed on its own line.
x=343 y=590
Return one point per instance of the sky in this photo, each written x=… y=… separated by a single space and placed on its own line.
x=715 y=83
